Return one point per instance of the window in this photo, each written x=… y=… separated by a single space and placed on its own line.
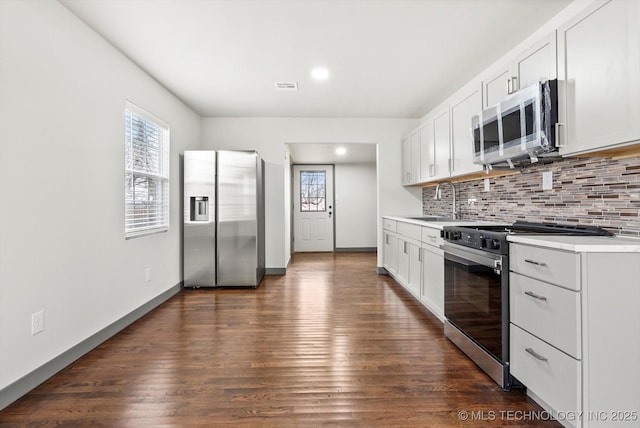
x=146 y=177
x=312 y=191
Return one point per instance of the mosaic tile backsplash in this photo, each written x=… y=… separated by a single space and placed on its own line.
x=593 y=191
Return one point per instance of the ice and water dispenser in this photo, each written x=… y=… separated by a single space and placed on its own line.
x=199 y=208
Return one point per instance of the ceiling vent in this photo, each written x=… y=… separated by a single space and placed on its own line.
x=287 y=86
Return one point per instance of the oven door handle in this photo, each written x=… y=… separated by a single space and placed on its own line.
x=460 y=256
x=467 y=265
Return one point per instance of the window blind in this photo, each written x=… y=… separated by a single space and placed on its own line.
x=146 y=173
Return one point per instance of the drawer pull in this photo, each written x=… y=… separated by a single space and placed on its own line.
x=535 y=354
x=535 y=296
x=533 y=262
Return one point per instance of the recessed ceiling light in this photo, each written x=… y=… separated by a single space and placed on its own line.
x=341 y=151
x=320 y=73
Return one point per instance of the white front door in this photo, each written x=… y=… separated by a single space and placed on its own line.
x=312 y=208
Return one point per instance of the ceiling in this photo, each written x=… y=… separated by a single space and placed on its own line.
x=318 y=154
x=386 y=58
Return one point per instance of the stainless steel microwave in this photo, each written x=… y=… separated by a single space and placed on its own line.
x=520 y=128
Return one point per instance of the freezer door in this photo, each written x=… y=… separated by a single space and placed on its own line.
x=199 y=231
x=237 y=218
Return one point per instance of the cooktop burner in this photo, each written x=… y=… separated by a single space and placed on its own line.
x=493 y=238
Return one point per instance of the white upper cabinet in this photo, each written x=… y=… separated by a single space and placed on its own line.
x=406 y=161
x=427 y=152
x=495 y=86
x=594 y=54
x=599 y=77
x=467 y=103
x=536 y=63
x=434 y=147
x=411 y=159
x=533 y=64
x=415 y=157
x=441 y=139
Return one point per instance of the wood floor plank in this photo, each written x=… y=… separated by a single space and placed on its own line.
x=330 y=344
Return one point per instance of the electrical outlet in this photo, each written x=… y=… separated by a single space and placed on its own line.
x=487 y=185
x=547 y=180
x=37 y=323
x=148 y=275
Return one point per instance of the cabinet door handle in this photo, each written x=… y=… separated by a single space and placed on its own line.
x=405 y=248
x=535 y=296
x=536 y=355
x=420 y=255
x=533 y=262
x=386 y=238
x=514 y=84
x=508 y=86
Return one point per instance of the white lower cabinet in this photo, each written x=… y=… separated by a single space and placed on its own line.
x=412 y=256
x=552 y=374
x=432 y=290
x=415 y=268
x=390 y=252
x=409 y=265
x=575 y=328
x=403 y=261
x=547 y=311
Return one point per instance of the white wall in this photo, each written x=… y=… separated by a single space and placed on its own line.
x=269 y=135
x=356 y=205
x=62 y=246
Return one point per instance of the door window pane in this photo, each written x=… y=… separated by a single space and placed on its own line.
x=312 y=191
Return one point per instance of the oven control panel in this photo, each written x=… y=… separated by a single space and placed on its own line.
x=478 y=239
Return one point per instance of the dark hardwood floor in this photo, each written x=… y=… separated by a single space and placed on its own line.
x=331 y=343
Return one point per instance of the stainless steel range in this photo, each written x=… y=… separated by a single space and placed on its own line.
x=476 y=300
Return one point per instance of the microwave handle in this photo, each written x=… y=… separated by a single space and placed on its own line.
x=557 y=126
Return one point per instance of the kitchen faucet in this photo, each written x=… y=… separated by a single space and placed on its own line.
x=438 y=195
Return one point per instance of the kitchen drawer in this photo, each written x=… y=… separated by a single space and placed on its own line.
x=409 y=230
x=549 y=312
x=556 y=379
x=431 y=236
x=389 y=225
x=554 y=266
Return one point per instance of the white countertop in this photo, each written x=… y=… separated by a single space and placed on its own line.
x=579 y=244
x=437 y=224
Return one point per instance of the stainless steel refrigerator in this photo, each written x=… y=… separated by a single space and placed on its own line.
x=223 y=219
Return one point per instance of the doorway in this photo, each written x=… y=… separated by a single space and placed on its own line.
x=355 y=205
x=313 y=208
